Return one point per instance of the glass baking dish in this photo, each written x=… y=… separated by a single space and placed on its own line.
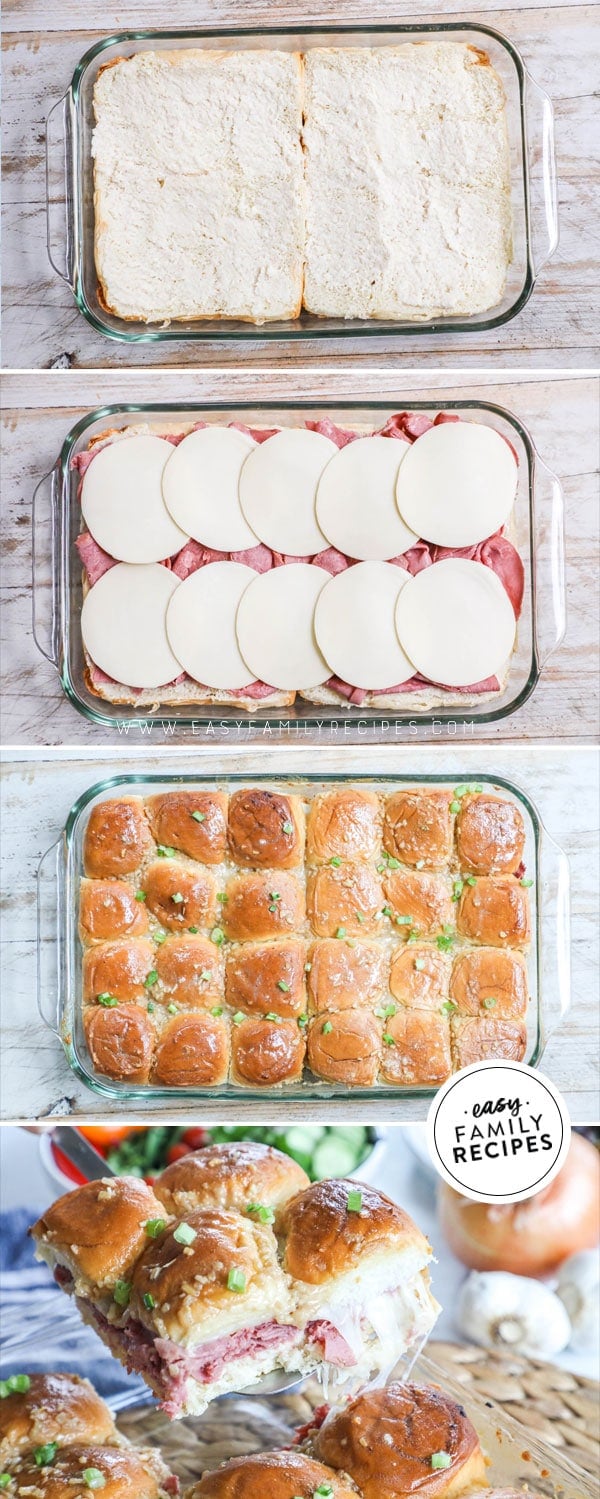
x=70 y=180
x=57 y=587
x=59 y=949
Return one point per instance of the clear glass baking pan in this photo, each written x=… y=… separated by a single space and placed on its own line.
x=60 y=953
x=70 y=179
x=57 y=587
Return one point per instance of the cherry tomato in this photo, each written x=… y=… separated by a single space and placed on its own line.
x=176 y=1152
x=196 y=1138
x=104 y=1136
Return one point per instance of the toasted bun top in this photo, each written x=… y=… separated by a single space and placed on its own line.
x=127 y=1474
x=195 y=822
x=271 y=1475
x=231 y=1176
x=98 y=1230
x=56 y=1407
x=188 y=1283
x=385 y=1440
x=324 y=1238
x=266 y=829
x=116 y=838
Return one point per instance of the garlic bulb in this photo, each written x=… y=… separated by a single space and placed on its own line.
x=579 y=1290
x=498 y=1310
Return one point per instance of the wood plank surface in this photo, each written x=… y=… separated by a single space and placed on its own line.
x=42 y=44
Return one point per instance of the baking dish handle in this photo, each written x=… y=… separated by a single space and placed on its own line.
x=554 y=914
x=50 y=936
x=541 y=159
x=44 y=617
x=59 y=231
x=548 y=560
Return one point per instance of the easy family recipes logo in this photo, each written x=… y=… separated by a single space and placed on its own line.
x=498 y=1131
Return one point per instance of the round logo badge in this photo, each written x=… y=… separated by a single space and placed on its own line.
x=498 y=1132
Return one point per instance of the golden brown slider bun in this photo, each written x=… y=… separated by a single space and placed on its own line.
x=120 y=1041
x=190 y=969
x=263 y=905
x=117 y=838
x=266 y=1052
x=55 y=1408
x=117 y=968
x=98 y=1229
x=323 y=1237
x=264 y=976
x=422 y=899
x=266 y=829
x=193 y=1052
x=385 y=1440
x=417 y=828
x=195 y=822
x=127 y=1474
x=223 y=1242
x=416 y=1049
x=345 y=900
x=492 y=979
x=271 y=1475
x=345 y=978
x=230 y=1176
x=179 y=895
x=490 y=835
x=109 y=909
x=419 y=976
x=494 y=912
x=344 y=824
x=482 y=1039
x=344 y=1047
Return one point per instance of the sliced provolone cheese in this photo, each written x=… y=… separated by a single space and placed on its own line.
x=456 y=622
x=355 y=626
x=278 y=486
x=356 y=500
x=200 y=487
x=122 y=501
x=275 y=626
x=201 y=624
x=457 y=484
x=123 y=624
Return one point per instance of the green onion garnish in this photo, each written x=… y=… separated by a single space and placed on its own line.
x=355 y=1202
x=150 y=979
x=154 y=1227
x=140 y=895
x=222 y=898
x=149 y=1301
x=217 y=1010
x=45 y=1455
x=441 y=1460
x=206 y=975
x=164 y=852
x=217 y=936
x=272 y=1016
x=238 y=1017
x=264 y=1214
x=388 y=1040
x=335 y=861
x=177 y=898
x=419 y=964
x=526 y=884
x=470 y=879
x=150 y=1007
x=5 y=1479
x=193 y=929
x=16 y=1384
x=236 y=1280
x=288 y=827
x=184 y=1233
x=455 y=806
x=341 y=931
x=172 y=1009
x=122 y=1292
x=160 y=937
x=403 y=920
x=326 y=1028
x=198 y=816
x=489 y=1004
x=448 y=1006
x=457 y=889
x=93 y=1478
x=302 y=1021
x=107 y=1000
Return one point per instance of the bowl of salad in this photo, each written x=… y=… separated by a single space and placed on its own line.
x=144 y=1150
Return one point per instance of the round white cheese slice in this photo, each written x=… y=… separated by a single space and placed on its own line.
x=278 y=486
x=356 y=500
x=122 y=501
x=457 y=484
x=200 y=487
x=275 y=626
x=456 y=622
x=355 y=626
x=201 y=624
x=123 y=624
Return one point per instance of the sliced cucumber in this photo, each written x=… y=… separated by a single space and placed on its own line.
x=333 y=1157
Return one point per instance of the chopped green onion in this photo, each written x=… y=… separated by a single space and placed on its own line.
x=140 y=895
x=177 y=898
x=420 y=864
x=470 y=879
x=5 y=1479
x=489 y=1004
x=238 y=1017
x=107 y=1000
x=164 y=852
x=341 y=931
x=46 y=1454
x=93 y=1478
x=160 y=937
x=455 y=806
x=172 y=1009
x=457 y=889
x=151 y=979
x=217 y=1010
x=419 y=964
x=302 y=1021
x=222 y=899
x=272 y=1016
x=155 y=1226
x=392 y=863
x=526 y=884
x=448 y=1006
x=236 y=1280
x=206 y=975
x=122 y=1292
x=150 y=1008
x=388 y=1040
x=336 y=861
x=149 y=1301
x=326 y=1028
x=445 y=941
x=307 y=967
x=288 y=827
x=198 y=816
x=413 y=936
x=386 y=911
x=193 y=929
x=217 y=936
x=16 y=1384
x=264 y=1214
x=184 y=1233
x=324 y=1491
x=355 y=1202
x=441 y=1460
x=385 y=1011
x=281 y=984
x=403 y=920
x=359 y=916
x=274 y=895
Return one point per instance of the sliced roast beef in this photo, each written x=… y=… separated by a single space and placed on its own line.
x=333 y=561
x=334 y=1348
x=339 y=435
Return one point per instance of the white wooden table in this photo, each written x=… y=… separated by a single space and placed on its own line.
x=44 y=40
x=39 y=791
x=562 y=415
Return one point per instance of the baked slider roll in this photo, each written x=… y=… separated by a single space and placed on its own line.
x=416 y=1049
x=245 y=1175
x=117 y=838
x=193 y=1052
x=266 y=829
x=341 y=977
x=419 y=903
x=494 y=912
x=58 y=1408
x=117 y=970
x=267 y=976
x=420 y=976
x=272 y=1475
x=401 y=1441
x=266 y=1053
x=263 y=905
x=109 y=909
x=194 y=822
x=359 y=1266
x=483 y=1039
x=344 y=1047
x=120 y=1041
x=91 y=1237
x=189 y=972
x=417 y=828
x=344 y=824
x=345 y=900
x=71 y=1472
x=489 y=980
x=180 y=895
x=490 y=835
